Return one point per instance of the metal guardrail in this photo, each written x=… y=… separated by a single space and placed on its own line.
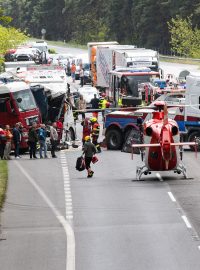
x=179 y=58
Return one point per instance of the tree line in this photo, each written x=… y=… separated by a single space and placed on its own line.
x=144 y=23
x=10 y=37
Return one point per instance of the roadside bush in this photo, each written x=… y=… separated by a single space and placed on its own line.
x=52 y=51
x=3 y=181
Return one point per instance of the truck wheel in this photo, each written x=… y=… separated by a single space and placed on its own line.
x=192 y=137
x=114 y=139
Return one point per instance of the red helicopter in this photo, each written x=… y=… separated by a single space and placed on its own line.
x=161 y=149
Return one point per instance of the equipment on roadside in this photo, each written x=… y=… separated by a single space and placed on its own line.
x=161 y=149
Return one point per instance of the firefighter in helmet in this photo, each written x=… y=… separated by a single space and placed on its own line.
x=95 y=133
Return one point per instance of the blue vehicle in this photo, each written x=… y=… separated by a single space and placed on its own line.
x=160 y=83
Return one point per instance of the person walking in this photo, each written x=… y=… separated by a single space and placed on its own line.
x=95 y=105
x=73 y=71
x=82 y=106
x=16 y=139
x=81 y=74
x=2 y=142
x=33 y=139
x=9 y=137
x=89 y=151
x=42 y=135
x=54 y=139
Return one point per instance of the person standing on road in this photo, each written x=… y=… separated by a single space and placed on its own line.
x=42 y=135
x=86 y=129
x=9 y=137
x=33 y=139
x=95 y=105
x=2 y=142
x=16 y=139
x=54 y=139
x=73 y=71
x=68 y=68
x=81 y=74
x=89 y=150
x=82 y=106
x=95 y=133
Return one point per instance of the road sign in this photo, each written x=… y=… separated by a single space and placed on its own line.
x=43 y=31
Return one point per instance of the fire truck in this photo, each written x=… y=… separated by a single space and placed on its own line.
x=17 y=104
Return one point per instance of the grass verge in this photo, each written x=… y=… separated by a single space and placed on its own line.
x=180 y=61
x=3 y=181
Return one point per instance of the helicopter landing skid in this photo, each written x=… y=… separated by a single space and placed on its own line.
x=181 y=169
x=140 y=171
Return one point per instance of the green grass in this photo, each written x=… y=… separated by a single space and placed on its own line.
x=3 y=181
x=179 y=61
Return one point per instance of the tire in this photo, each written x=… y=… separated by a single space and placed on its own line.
x=191 y=138
x=114 y=139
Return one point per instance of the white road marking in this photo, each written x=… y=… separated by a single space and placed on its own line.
x=159 y=177
x=70 y=257
x=187 y=223
x=171 y=196
x=199 y=247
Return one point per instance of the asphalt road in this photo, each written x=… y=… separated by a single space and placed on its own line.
x=118 y=222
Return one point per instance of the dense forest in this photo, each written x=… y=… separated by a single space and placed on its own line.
x=140 y=22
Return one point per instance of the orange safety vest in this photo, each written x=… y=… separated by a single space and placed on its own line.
x=95 y=129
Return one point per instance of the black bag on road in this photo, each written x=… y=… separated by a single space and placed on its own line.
x=80 y=164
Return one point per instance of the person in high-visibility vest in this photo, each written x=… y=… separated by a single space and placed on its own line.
x=120 y=102
x=103 y=104
x=95 y=133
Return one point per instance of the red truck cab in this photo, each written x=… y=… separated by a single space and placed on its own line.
x=17 y=104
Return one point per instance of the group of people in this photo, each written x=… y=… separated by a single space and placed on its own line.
x=96 y=104
x=71 y=70
x=91 y=128
x=37 y=136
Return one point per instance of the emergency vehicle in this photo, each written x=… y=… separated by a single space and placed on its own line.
x=17 y=104
x=124 y=84
x=119 y=124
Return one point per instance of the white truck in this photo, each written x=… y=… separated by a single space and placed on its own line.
x=111 y=57
x=138 y=57
x=92 y=54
